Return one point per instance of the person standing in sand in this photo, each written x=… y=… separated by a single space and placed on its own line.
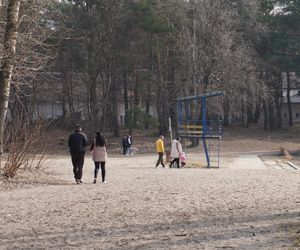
x=129 y=144
x=77 y=144
x=176 y=151
x=124 y=145
x=160 y=149
x=98 y=149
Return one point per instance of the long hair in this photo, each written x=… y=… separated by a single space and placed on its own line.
x=100 y=140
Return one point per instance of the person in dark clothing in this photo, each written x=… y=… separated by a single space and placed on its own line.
x=129 y=144
x=77 y=143
x=124 y=144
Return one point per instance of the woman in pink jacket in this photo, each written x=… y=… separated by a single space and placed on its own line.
x=98 y=149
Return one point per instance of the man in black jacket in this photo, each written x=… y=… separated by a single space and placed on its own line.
x=77 y=144
x=124 y=145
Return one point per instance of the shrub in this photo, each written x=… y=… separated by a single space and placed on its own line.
x=23 y=147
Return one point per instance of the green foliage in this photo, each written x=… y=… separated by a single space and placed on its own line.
x=147 y=18
x=283 y=19
x=137 y=118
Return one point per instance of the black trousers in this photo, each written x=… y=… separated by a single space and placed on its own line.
x=97 y=165
x=173 y=161
x=77 y=161
x=160 y=159
x=124 y=150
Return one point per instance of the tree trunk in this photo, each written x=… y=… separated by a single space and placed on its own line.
x=257 y=111
x=147 y=120
x=125 y=95
x=70 y=95
x=106 y=105
x=226 y=108
x=288 y=97
x=271 y=114
x=162 y=108
x=135 y=100
x=114 y=115
x=18 y=108
x=249 y=114
x=259 y=104
x=67 y=88
x=243 y=112
x=172 y=91
x=149 y=83
x=93 y=98
x=7 y=64
x=278 y=95
x=64 y=94
x=91 y=69
x=34 y=107
x=266 y=115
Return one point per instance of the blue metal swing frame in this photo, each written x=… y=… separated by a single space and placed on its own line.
x=205 y=133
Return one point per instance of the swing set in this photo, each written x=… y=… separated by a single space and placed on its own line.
x=194 y=121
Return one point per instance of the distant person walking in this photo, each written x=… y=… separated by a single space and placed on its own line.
x=77 y=143
x=160 y=149
x=98 y=148
x=124 y=144
x=176 y=152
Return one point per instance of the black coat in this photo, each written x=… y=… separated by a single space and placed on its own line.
x=124 y=142
x=77 y=142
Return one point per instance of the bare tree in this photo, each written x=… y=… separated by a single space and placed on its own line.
x=8 y=61
x=22 y=139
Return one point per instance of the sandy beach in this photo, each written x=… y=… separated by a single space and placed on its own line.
x=141 y=207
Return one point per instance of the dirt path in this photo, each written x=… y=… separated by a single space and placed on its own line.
x=146 y=208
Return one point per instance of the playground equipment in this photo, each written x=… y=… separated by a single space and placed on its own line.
x=194 y=121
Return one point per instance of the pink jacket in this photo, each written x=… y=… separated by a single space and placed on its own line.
x=99 y=153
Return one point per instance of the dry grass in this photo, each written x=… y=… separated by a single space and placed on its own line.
x=234 y=139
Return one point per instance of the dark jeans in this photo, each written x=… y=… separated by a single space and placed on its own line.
x=102 y=170
x=160 y=159
x=173 y=161
x=124 y=150
x=77 y=161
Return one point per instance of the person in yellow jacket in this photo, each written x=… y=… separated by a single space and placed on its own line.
x=160 y=149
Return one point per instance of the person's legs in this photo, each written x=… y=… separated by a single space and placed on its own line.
x=80 y=165
x=172 y=162
x=74 y=163
x=103 y=171
x=162 y=159
x=177 y=162
x=124 y=150
x=158 y=160
x=96 y=171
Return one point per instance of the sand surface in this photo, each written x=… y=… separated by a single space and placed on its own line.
x=142 y=207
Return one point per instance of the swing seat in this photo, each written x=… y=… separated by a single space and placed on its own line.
x=191 y=127
x=190 y=130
